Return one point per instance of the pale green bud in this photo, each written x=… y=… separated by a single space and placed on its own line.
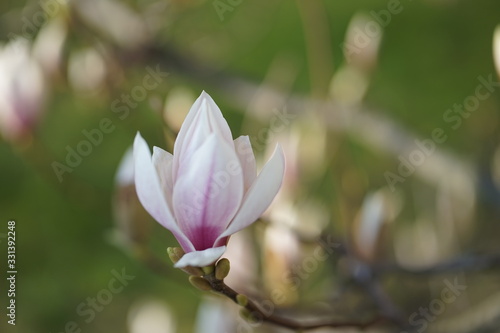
x=200 y=283
x=242 y=300
x=222 y=269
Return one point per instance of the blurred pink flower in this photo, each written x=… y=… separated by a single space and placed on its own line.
x=22 y=90
x=208 y=189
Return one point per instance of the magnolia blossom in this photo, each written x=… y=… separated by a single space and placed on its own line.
x=22 y=89
x=209 y=188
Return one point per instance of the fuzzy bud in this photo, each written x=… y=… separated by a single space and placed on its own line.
x=242 y=300
x=175 y=254
x=222 y=269
x=200 y=283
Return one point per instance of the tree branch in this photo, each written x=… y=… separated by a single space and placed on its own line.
x=259 y=314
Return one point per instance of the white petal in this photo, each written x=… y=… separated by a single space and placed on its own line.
x=151 y=194
x=261 y=194
x=244 y=151
x=201 y=258
x=209 y=192
x=162 y=160
x=203 y=119
x=125 y=174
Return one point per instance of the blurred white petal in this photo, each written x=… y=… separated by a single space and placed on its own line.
x=22 y=89
x=86 y=71
x=496 y=49
x=151 y=317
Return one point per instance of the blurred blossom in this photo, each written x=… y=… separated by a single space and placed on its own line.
x=496 y=48
x=22 y=90
x=366 y=43
x=307 y=218
x=377 y=209
x=156 y=14
x=370 y=225
x=86 y=71
x=304 y=146
x=280 y=76
x=125 y=173
x=216 y=315
x=132 y=221
x=311 y=157
x=241 y=253
x=115 y=20
x=177 y=105
x=495 y=167
x=290 y=144
x=435 y=236
x=350 y=83
x=48 y=46
x=208 y=189
x=150 y=317
x=456 y=202
x=418 y=245
x=281 y=252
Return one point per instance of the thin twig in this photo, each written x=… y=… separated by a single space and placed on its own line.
x=258 y=314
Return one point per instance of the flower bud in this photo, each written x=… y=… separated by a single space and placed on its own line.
x=207 y=270
x=242 y=300
x=222 y=269
x=200 y=283
x=175 y=254
x=248 y=316
x=23 y=90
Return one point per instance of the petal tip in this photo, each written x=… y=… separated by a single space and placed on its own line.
x=201 y=258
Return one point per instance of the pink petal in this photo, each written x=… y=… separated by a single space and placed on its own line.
x=203 y=119
x=201 y=258
x=244 y=150
x=209 y=192
x=260 y=195
x=162 y=160
x=150 y=193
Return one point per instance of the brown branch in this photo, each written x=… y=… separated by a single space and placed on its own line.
x=258 y=314
x=468 y=262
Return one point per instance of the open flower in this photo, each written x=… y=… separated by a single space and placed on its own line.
x=208 y=189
